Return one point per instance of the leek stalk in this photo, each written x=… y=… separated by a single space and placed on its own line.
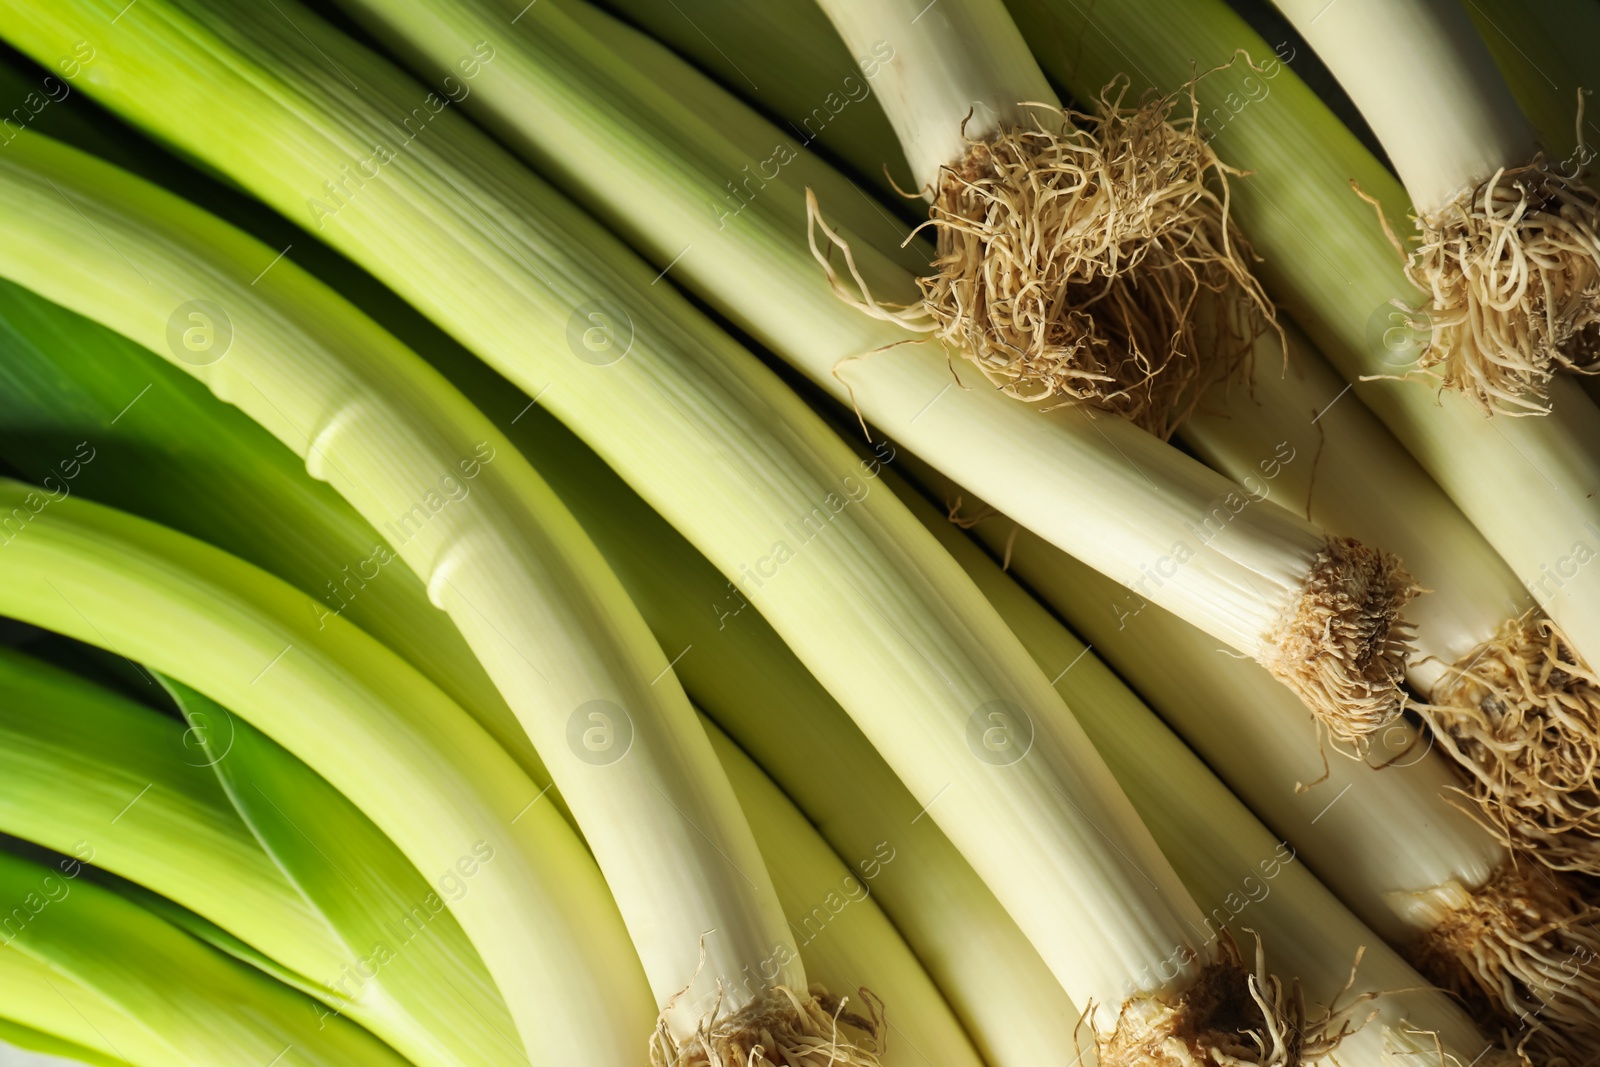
x=499 y=553
x=1508 y=249
x=1511 y=939
x=90 y=775
x=73 y=1016
x=1075 y=251
x=102 y=752
x=847 y=942
x=27 y=1039
x=1506 y=696
x=431 y=985
x=1249 y=879
x=1530 y=486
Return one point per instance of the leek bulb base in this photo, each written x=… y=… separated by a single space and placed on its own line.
x=1342 y=646
x=781 y=1025
x=1087 y=258
x=1520 y=716
x=1518 y=950
x=1511 y=273
x=1233 y=1014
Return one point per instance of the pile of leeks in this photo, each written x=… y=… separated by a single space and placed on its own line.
x=474 y=593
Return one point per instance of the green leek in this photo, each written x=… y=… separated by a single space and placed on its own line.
x=499 y=553
x=419 y=767
x=202 y=1007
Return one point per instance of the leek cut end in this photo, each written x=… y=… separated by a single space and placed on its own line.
x=1520 y=950
x=1521 y=715
x=781 y=1027
x=1343 y=644
x=1091 y=259
x=1512 y=270
x=1231 y=1016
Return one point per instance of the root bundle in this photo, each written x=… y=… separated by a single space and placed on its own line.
x=1512 y=274
x=781 y=1028
x=1342 y=646
x=1234 y=1015
x=1521 y=716
x=1089 y=258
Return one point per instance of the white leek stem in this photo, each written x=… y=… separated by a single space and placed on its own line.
x=751 y=683
x=1506 y=252
x=1514 y=937
x=956 y=63
x=1313 y=449
x=847 y=941
x=1424 y=81
x=1530 y=485
x=1246 y=878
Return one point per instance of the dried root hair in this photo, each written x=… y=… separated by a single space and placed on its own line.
x=1523 y=951
x=1521 y=716
x=781 y=1028
x=1342 y=645
x=1088 y=259
x=1232 y=1016
x=1511 y=272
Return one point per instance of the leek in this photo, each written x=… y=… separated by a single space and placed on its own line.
x=1508 y=248
x=98 y=404
x=1249 y=880
x=1507 y=698
x=389 y=922
x=203 y=1007
x=993 y=979
x=74 y=1014
x=589 y=101
x=739 y=669
x=1075 y=252
x=99 y=754
x=537 y=910
x=1511 y=939
x=847 y=941
x=712 y=439
x=27 y=1039
x=1530 y=486
x=1541 y=53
